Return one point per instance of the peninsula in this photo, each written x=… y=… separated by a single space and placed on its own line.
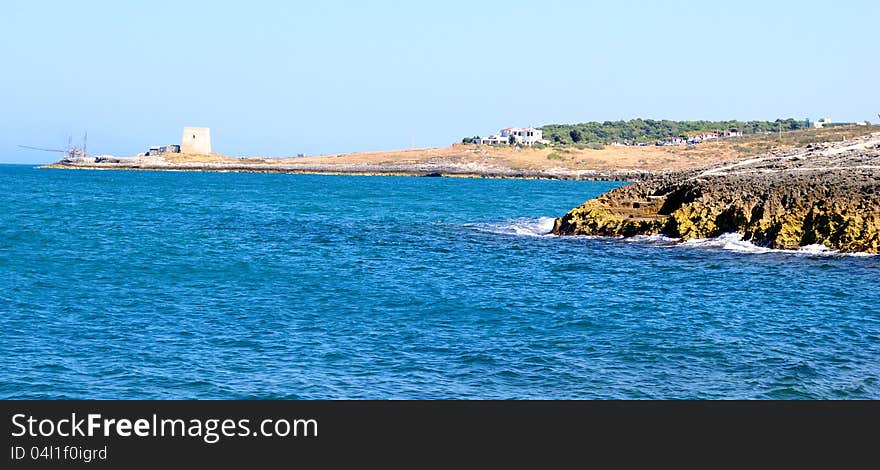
x=822 y=193
x=555 y=161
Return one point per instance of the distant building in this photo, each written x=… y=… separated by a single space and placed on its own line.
x=523 y=135
x=196 y=140
x=670 y=142
x=822 y=123
x=826 y=122
x=156 y=150
x=493 y=139
x=698 y=137
x=520 y=136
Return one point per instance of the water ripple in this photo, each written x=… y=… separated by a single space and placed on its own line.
x=173 y=285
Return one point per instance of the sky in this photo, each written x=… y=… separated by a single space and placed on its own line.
x=281 y=78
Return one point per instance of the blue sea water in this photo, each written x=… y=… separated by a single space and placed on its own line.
x=221 y=285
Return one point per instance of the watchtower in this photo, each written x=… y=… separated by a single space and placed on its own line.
x=196 y=140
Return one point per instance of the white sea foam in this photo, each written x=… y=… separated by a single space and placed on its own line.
x=541 y=227
x=727 y=241
x=523 y=226
x=735 y=242
x=659 y=240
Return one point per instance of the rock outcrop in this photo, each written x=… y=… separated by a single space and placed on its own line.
x=825 y=194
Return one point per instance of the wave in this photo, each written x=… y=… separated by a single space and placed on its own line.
x=727 y=241
x=657 y=240
x=735 y=242
x=523 y=226
x=542 y=226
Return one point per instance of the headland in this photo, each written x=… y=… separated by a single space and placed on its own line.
x=820 y=194
x=622 y=163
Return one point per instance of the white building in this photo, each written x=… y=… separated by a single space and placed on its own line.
x=822 y=123
x=493 y=139
x=521 y=136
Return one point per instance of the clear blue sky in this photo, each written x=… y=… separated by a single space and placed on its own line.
x=282 y=78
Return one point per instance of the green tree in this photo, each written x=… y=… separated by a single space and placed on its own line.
x=648 y=130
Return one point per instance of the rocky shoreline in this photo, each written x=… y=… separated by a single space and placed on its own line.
x=826 y=194
x=464 y=170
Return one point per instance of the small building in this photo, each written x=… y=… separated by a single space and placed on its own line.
x=493 y=139
x=523 y=135
x=156 y=150
x=697 y=137
x=822 y=122
x=518 y=135
x=195 y=140
x=670 y=142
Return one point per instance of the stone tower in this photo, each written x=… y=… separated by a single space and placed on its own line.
x=196 y=140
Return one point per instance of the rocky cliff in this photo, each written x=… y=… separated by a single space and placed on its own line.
x=825 y=194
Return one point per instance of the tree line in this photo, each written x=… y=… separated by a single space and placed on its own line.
x=650 y=130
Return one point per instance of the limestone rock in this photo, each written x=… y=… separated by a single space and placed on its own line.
x=825 y=194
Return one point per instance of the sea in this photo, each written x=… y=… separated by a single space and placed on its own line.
x=183 y=285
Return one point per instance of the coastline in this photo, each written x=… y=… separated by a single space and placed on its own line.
x=611 y=163
x=502 y=173
x=822 y=194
